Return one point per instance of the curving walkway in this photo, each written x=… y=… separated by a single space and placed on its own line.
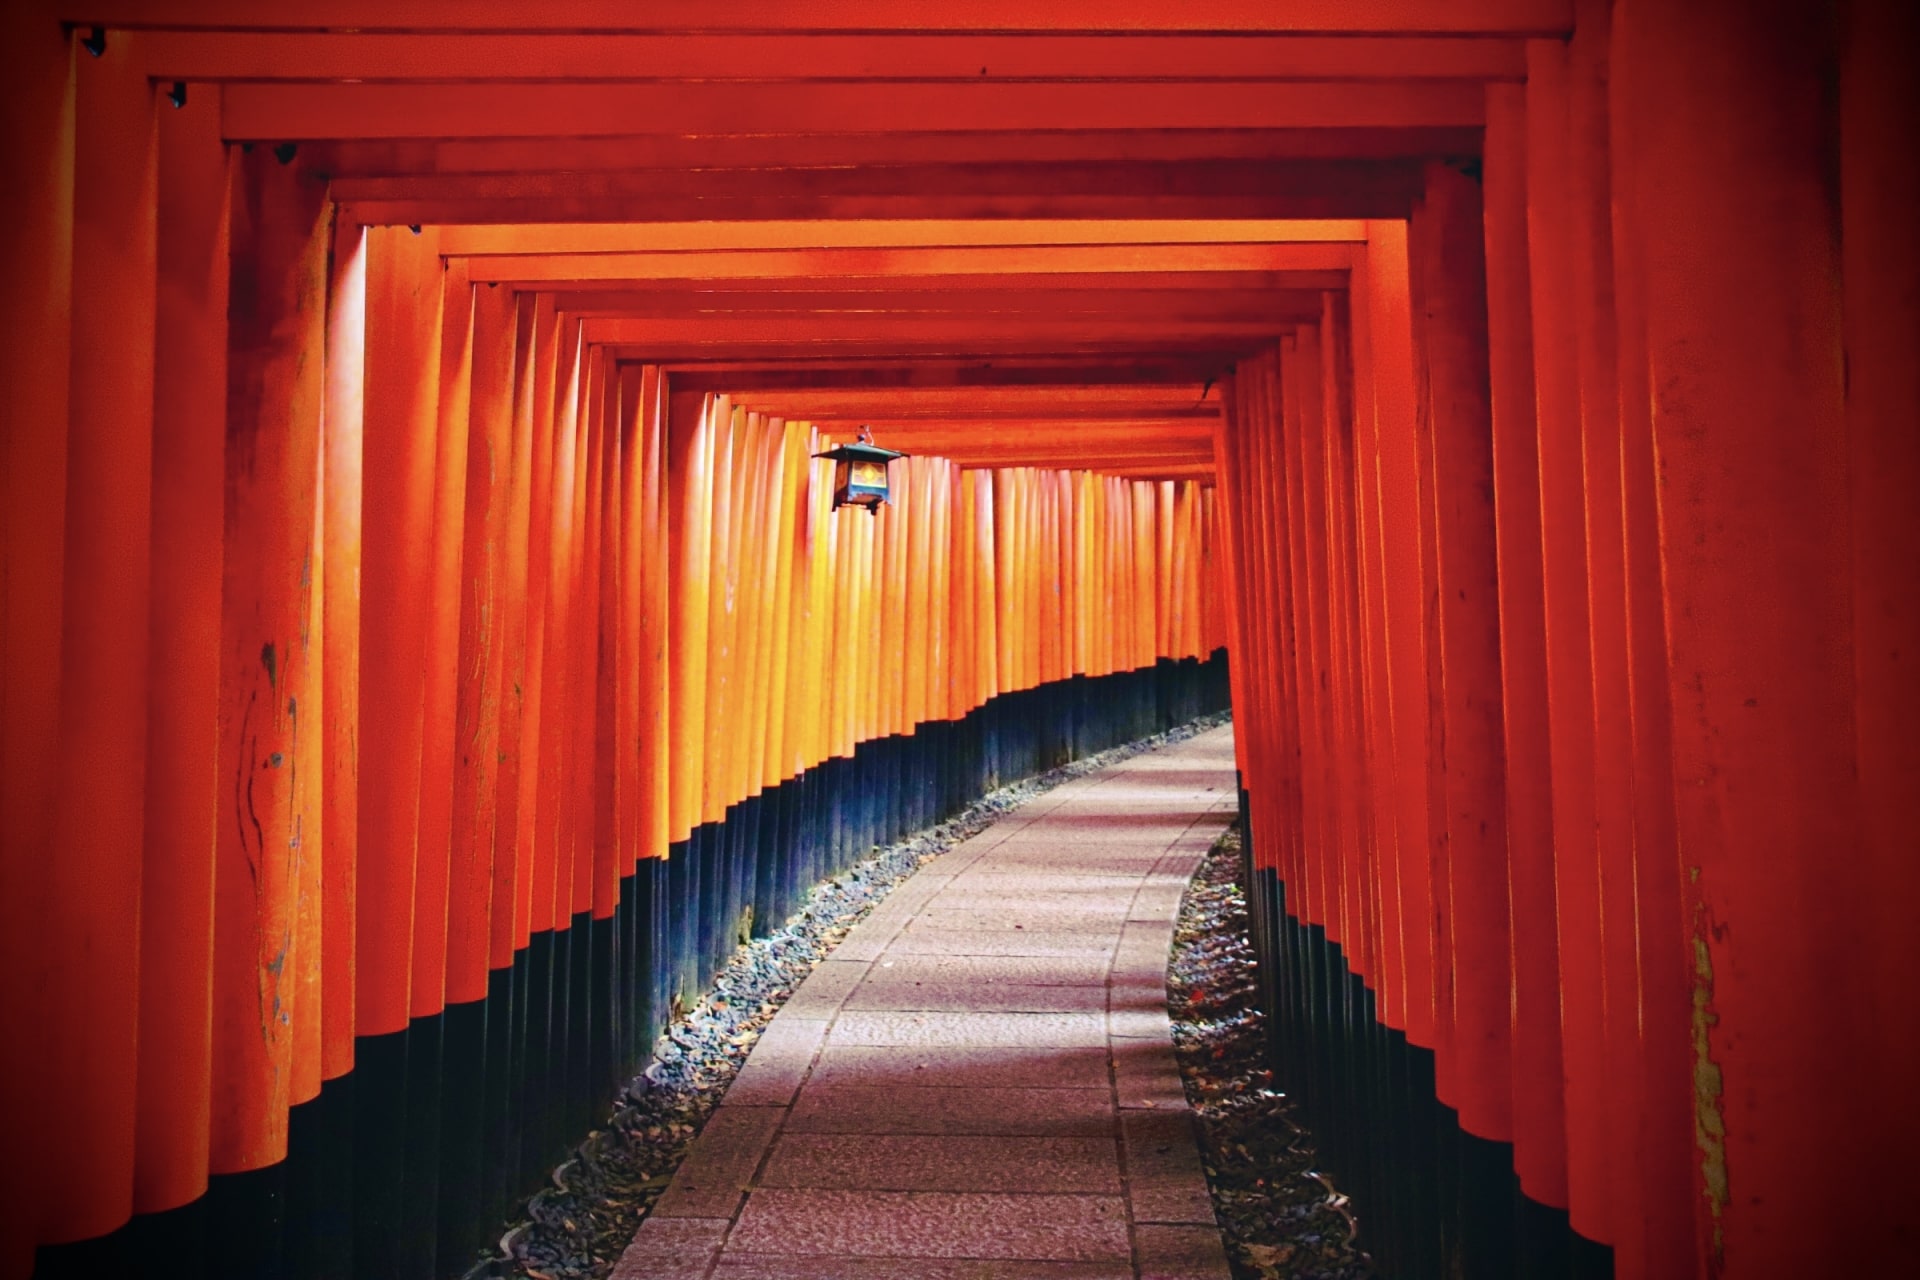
x=980 y=1083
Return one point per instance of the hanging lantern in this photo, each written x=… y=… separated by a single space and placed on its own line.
x=860 y=473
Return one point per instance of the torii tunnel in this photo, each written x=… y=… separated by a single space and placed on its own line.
x=429 y=640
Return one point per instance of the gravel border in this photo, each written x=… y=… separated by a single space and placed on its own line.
x=577 y=1228
x=1279 y=1216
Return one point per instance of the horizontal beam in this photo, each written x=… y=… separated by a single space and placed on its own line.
x=574 y=201
x=1171 y=306
x=693 y=330
x=1137 y=17
x=1221 y=354
x=1092 y=460
x=1062 y=283
x=566 y=238
x=1053 y=372
x=1166 y=434
x=1063 y=454
x=614 y=156
x=797 y=56
x=1194 y=401
x=288 y=112
x=558 y=272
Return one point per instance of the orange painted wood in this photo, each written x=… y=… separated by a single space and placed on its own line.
x=1011 y=182
x=1539 y=1134
x=477 y=892
x=1423 y=252
x=1750 y=438
x=175 y=1049
x=896 y=602
x=600 y=834
x=728 y=426
x=543 y=725
x=1877 y=180
x=1569 y=656
x=36 y=261
x=1356 y=845
x=1589 y=208
x=273 y=410
x=1664 y=1164
x=92 y=897
x=1458 y=387
x=962 y=261
x=631 y=673
x=1306 y=470
x=400 y=430
x=532 y=109
x=302 y=972
x=571 y=626
x=1391 y=338
x=655 y=656
x=510 y=915
x=565 y=56
x=689 y=466
x=339 y=568
x=442 y=670
x=792 y=651
x=1137 y=17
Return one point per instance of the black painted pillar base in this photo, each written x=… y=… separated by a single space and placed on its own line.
x=1431 y=1200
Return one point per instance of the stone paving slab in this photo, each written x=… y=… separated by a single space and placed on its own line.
x=1033 y=971
x=946 y=995
x=890 y=1162
x=971 y=1029
x=924 y=1224
x=949 y=1066
x=942 y=1109
x=952 y=942
x=760 y=1266
x=980 y=1084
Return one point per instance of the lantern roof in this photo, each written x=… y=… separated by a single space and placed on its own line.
x=861 y=450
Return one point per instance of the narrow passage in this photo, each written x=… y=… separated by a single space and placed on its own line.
x=980 y=1082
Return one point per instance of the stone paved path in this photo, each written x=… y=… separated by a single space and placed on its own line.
x=980 y=1083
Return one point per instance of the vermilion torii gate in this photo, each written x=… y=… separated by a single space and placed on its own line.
x=1522 y=392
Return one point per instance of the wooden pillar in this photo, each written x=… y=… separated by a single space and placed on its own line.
x=632 y=674
x=1569 y=654
x=340 y=537
x=509 y=916
x=1734 y=225
x=442 y=671
x=280 y=239
x=1388 y=975
x=90 y=948
x=36 y=273
x=1305 y=548
x=689 y=471
x=1451 y=296
x=717 y=549
x=1538 y=1118
x=474 y=895
x=535 y=881
x=1879 y=187
x=190 y=408
x=400 y=429
x=1664 y=1173
x=546 y=816
x=655 y=636
x=1391 y=338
